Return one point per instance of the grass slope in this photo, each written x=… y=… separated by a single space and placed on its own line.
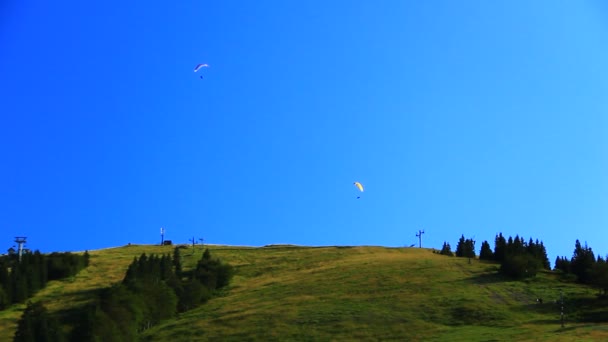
x=347 y=293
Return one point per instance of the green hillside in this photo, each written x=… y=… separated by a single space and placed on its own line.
x=349 y=293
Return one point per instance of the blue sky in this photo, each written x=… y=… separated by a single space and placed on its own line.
x=459 y=117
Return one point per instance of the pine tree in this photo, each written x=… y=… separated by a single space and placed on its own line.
x=446 y=249
x=133 y=274
x=19 y=288
x=516 y=246
x=177 y=262
x=206 y=254
x=166 y=268
x=557 y=264
x=5 y=300
x=520 y=266
x=460 y=247
x=87 y=258
x=5 y=284
x=125 y=308
x=160 y=302
x=37 y=325
x=500 y=248
x=212 y=273
x=562 y=264
x=582 y=262
x=486 y=252
x=465 y=248
x=469 y=250
x=192 y=294
x=599 y=274
x=544 y=259
x=143 y=267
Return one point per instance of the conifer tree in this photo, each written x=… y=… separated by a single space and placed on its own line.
x=446 y=249
x=599 y=275
x=500 y=248
x=582 y=262
x=486 y=252
x=87 y=257
x=544 y=259
x=5 y=300
x=460 y=247
x=37 y=325
x=177 y=262
x=562 y=264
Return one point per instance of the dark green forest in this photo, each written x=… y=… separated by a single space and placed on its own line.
x=21 y=279
x=154 y=288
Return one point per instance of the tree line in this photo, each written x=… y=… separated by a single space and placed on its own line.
x=518 y=258
x=20 y=280
x=585 y=267
x=154 y=288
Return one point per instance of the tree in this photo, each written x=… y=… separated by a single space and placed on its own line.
x=599 y=273
x=166 y=267
x=520 y=266
x=500 y=248
x=5 y=285
x=160 y=302
x=133 y=273
x=87 y=257
x=562 y=264
x=543 y=255
x=469 y=251
x=446 y=249
x=212 y=272
x=37 y=325
x=5 y=300
x=97 y=326
x=465 y=248
x=206 y=254
x=537 y=250
x=582 y=262
x=460 y=247
x=18 y=282
x=63 y=265
x=125 y=308
x=149 y=293
x=177 y=261
x=191 y=294
x=517 y=247
x=486 y=252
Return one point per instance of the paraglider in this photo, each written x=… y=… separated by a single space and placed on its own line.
x=198 y=66
x=359 y=186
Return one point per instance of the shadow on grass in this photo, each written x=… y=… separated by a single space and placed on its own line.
x=579 y=310
x=74 y=314
x=589 y=309
x=567 y=327
x=488 y=278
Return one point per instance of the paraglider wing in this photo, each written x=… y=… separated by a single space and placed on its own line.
x=359 y=186
x=204 y=65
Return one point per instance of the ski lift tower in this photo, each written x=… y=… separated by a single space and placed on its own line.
x=20 y=240
x=419 y=236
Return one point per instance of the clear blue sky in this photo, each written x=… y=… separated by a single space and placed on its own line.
x=459 y=117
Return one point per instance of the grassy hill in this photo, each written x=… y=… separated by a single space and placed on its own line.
x=349 y=293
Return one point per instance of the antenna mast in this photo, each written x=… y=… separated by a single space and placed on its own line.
x=162 y=236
